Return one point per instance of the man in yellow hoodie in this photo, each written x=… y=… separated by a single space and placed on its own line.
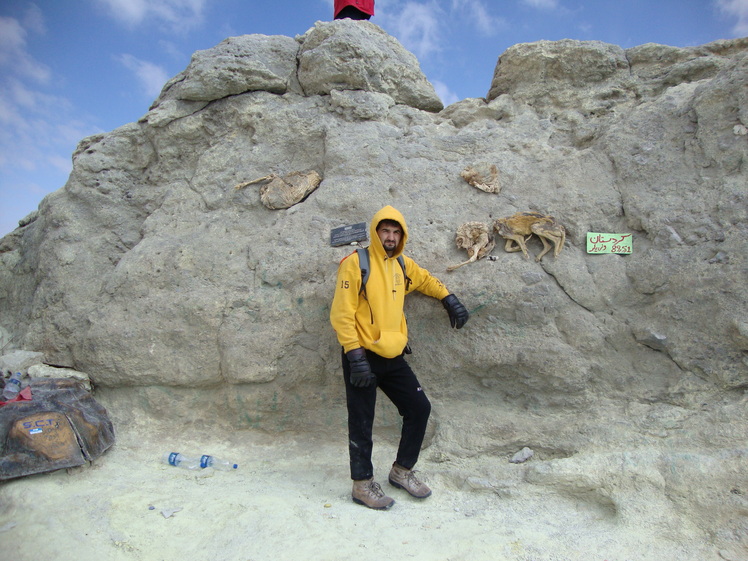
x=371 y=327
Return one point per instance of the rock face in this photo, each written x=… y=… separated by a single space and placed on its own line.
x=150 y=272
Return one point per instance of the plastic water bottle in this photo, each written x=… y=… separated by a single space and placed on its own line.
x=178 y=460
x=213 y=462
x=12 y=387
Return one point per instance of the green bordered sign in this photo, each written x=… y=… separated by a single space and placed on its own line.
x=609 y=243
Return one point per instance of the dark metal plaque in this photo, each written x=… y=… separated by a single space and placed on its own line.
x=346 y=235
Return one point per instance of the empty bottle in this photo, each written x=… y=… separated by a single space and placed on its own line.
x=178 y=460
x=12 y=387
x=213 y=462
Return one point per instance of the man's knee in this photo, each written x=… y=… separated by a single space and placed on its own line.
x=422 y=406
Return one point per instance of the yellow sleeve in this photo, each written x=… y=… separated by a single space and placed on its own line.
x=423 y=281
x=345 y=303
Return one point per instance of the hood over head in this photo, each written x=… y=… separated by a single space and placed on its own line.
x=387 y=213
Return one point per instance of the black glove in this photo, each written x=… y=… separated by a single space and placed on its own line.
x=458 y=315
x=361 y=374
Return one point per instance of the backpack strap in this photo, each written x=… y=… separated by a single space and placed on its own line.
x=407 y=278
x=363 y=262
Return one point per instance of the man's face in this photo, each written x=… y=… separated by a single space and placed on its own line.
x=390 y=236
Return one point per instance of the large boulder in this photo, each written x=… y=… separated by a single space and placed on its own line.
x=351 y=55
x=152 y=266
x=154 y=271
x=237 y=65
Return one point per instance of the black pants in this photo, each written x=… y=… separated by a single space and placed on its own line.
x=351 y=13
x=400 y=385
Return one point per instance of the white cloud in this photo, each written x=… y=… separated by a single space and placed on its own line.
x=12 y=38
x=477 y=12
x=129 y=12
x=423 y=27
x=180 y=15
x=33 y=19
x=447 y=96
x=151 y=76
x=542 y=4
x=31 y=120
x=173 y=52
x=25 y=111
x=738 y=9
x=417 y=26
x=19 y=95
x=38 y=130
x=63 y=165
x=36 y=127
x=13 y=53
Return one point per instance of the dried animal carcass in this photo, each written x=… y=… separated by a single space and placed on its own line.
x=477 y=238
x=482 y=176
x=283 y=192
x=516 y=229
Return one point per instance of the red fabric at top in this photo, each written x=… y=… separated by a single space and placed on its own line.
x=366 y=6
x=23 y=395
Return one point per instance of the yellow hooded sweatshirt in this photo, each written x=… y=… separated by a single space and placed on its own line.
x=375 y=320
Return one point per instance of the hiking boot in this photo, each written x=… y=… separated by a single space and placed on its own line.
x=404 y=478
x=369 y=493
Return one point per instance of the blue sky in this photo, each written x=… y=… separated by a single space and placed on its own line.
x=72 y=68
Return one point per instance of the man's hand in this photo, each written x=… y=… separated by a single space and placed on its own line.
x=361 y=374
x=458 y=315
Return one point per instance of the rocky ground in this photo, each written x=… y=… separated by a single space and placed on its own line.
x=290 y=499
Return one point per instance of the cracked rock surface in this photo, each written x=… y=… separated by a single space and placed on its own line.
x=175 y=291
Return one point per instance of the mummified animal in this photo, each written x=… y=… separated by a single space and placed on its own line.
x=477 y=238
x=283 y=192
x=482 y=176
x=518 y=228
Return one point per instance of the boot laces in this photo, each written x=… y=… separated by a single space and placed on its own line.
x=413 y=481
x=375 y=489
